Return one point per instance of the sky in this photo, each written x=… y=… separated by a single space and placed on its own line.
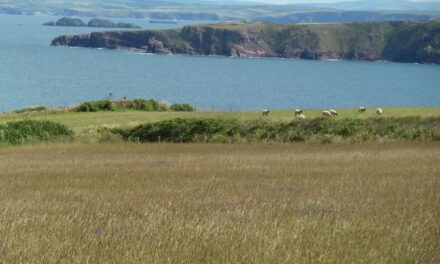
x=297 y=1
x=324 y=1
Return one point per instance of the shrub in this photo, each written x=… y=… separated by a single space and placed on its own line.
x=149 y=105
x=31 y=109
x=104 y=105
x=31 y=131
x=182 y=108
x=101 y=105
x=87 y=107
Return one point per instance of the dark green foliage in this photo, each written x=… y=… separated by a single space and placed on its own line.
x=322 y=130
x=32 y=131
x=96 y=106
x=31 y=109
x=182 y=108
x=149 y=105
x=180 y=130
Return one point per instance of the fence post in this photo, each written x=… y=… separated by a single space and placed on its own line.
x=159 y=139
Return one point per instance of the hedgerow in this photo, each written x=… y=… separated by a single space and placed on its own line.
x=323 y=130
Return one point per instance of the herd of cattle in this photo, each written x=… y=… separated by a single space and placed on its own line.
x=299 y=113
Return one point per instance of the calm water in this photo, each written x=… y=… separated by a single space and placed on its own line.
x=33 y=73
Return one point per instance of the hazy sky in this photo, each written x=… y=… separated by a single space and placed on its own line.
x=296 y=1
x=325 y=1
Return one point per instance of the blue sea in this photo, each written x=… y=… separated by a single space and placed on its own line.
x=34 y=73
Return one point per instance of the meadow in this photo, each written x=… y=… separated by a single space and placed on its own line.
x=208 y=203
x=215 y=203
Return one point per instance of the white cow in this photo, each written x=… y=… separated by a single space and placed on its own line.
x=298 y=112
x=379 y=111
x=362 y=109
x=333 y=112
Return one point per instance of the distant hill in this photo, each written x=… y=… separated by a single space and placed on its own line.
x=343 y=17
x=394 y=41
x=375 y=5
x=229 y=10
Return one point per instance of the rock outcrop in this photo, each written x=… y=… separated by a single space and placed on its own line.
x=393 y=41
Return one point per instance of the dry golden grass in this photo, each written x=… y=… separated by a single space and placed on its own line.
x=170 y=203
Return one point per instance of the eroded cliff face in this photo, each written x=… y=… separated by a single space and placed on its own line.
x=226 y=42
x=397 y=41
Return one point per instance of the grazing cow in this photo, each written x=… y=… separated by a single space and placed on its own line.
x=362 y=109
x=333 y=112
x=265 y=112
x=301 y=116
x=379 y=111
x=326 y=113
x=298 y=112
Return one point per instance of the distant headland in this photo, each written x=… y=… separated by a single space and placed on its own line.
x=407 y=41
x=96 y=22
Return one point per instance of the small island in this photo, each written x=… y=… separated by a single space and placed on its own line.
x=96 y=22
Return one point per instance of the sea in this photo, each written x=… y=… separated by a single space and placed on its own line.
x=33 y=73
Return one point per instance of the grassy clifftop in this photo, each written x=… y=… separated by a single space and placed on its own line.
x=394 y=41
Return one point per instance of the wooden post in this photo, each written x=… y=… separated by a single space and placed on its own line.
x=159 y=139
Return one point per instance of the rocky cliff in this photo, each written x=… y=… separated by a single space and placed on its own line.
x=394 y=41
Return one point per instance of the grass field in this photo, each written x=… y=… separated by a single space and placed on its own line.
x=178 y=203
x=88 y=122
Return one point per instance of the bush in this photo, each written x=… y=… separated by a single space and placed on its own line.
x=101 y=105
x=149 y=105
x=182 y=108
x=31 y=109
x=32 y=131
